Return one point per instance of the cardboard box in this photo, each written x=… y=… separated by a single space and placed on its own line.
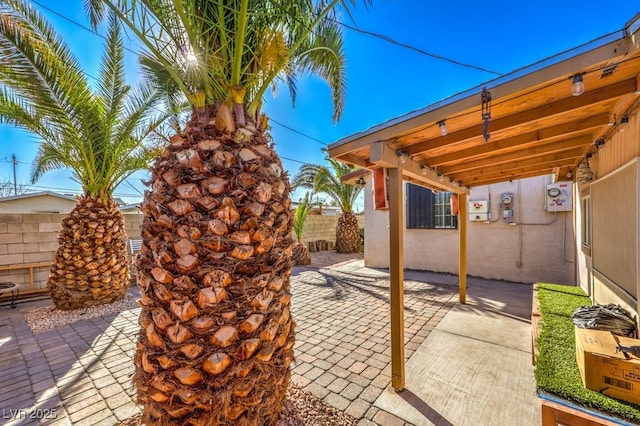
x=605 y=370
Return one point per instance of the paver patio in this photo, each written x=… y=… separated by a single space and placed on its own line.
x=80 y=373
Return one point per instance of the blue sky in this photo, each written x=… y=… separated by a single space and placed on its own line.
x=384 y=80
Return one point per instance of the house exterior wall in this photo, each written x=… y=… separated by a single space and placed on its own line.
x=609 y=266
x=539 y=247
x=41 y=204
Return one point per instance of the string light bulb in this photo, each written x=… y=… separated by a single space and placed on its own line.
x=403 y=157
x=423 y=170
x=577 y=88
x=443 y=128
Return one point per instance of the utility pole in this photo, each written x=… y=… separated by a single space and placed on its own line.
x=15 y=184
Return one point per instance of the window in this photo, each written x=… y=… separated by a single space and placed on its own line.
x=429 y=210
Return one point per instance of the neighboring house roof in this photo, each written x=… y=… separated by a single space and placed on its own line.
x=134 y=208
x=61 y=203
x=38 y=194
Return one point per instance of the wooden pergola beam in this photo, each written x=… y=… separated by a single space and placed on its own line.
x=508 y=174
x=489 y=151
x=383 y=156
x=507 y=178
x=522 y=167
x=506 y=162
x=549 y=134
x=396 y=276
x=462 y=256
x=562 y=106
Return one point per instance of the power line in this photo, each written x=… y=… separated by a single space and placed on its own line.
x=298 y=132
x=84 y=27
x=417 y=49
x=366 y=32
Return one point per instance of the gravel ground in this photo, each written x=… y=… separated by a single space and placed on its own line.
x=50 y=316
x=301 y=409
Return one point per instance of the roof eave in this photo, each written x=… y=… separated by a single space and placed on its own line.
x=613 y=46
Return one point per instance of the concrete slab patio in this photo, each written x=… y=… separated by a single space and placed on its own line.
x=81 y=372
x=475 y=367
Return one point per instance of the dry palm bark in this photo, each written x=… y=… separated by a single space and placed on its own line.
x=301 y=254
x=347 y=233
x=90 y=266
x=217 y=335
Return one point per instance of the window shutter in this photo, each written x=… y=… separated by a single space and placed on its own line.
x=420 y=207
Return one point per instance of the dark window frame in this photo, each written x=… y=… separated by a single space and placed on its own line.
x=428 y=210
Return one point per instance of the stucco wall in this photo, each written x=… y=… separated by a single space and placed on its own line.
x=539 y=248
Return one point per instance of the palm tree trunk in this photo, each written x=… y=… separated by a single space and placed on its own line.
x=347 y=233
x=217 y=335
x=91 y=265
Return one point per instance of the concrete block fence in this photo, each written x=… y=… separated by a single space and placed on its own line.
x=31 y=239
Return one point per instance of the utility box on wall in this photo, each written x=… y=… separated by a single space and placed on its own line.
x=506 y=204
x=559 y=197
x=478 y=210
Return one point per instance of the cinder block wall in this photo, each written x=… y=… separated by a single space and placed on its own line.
x=32 y=238
x=318 y=227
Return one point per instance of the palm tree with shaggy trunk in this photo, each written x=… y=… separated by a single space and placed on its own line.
x=217 y=335
x=100 y=135
x=329 y=181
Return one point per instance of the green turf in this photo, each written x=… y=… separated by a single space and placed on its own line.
x=556 y=369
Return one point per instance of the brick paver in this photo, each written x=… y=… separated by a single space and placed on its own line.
x=347 y=316
x=80 y=373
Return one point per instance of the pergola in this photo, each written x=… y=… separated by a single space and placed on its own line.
x=535 y=121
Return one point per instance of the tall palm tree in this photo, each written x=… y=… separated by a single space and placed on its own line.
x=98 y=134
x=217 y=334
x=329 y=181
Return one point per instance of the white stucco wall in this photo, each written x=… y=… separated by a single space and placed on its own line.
x=540 y=247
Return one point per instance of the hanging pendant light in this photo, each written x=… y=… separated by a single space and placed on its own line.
x=443 y=128
x=577 y=88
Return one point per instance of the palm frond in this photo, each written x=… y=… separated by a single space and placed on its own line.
x=300 y=216
x=329 y=181
x=39 y=66
x=98 y=135
x=112 y=86
x=219 y=50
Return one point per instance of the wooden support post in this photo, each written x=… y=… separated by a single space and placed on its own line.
x=462 y=227
x=396 y=277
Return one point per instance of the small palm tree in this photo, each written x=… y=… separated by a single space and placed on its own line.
x=329 y=180
x=217 y=336
x=301 y=255
x=98 y=134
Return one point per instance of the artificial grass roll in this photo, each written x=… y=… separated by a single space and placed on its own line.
x=556 y=368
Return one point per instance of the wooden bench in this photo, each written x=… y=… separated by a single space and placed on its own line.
x=12 y=288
